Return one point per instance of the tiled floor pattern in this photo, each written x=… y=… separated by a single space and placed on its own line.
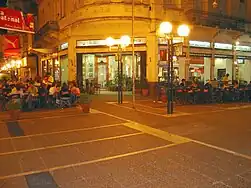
x=102 y=151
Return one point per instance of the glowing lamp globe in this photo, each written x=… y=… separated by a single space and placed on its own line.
x=183 y=30
x=110 y=41
x=125 y=40
x=165 y=28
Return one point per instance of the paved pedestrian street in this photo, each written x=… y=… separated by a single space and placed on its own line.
x=109 y=148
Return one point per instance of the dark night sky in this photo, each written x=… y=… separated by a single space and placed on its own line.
x=27 y=6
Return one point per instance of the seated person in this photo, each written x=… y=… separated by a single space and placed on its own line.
x=52 y=94
x=14 y=103
x=75 y=92
x=42 y=91
x=32 y=94
x=65 y=91
x=32 y=89
x=236 y=84
x=53 y=90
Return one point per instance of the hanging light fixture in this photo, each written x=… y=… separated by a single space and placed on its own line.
x=215 y=4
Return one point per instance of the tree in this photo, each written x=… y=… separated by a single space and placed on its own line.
x=3 y=3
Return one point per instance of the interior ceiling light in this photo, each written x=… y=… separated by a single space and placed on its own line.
x=215 y=4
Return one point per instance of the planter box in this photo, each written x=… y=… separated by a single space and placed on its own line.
x=145 y=92
x=137 y=91
x=85 y=108
x=163 y=98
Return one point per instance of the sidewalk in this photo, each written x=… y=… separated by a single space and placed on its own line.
x=121 y=147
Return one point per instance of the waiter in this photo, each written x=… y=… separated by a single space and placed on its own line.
x=48 y=80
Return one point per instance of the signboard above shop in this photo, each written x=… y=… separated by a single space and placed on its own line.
x=16 y=21
x=92 y=43
x=199 y=44
x=223 y=46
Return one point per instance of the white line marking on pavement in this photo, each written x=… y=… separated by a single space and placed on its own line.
x=159 y=134
x=124 y=102
x=64 y=131
x=25 y=119
x=151 y=131
x=88 y=162
x=222 y=149
x=152 y=113
x=162 y=109
x=71 y=144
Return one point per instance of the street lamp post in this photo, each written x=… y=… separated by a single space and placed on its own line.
x=121 y=44
x=166 y=28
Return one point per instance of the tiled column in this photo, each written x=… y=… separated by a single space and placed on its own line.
x=229 y=68
x=152 y=60
x=72 y=59
x=207 y=69
x=182 y=68
x=247 y=71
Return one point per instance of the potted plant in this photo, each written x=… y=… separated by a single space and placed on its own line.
x=137 y=87
x=85 y=101
x=163 y=95
x=144 y=88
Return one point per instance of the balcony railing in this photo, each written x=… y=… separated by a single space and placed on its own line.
x=210 y=19
x=50 y=26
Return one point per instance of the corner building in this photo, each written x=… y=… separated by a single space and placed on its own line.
x=72 y=35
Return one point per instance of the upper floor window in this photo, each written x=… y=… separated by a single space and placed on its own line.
x=204 y=5
x=172 y=3
x=242 y=1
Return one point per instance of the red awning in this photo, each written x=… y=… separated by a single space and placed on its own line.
x=12 y=53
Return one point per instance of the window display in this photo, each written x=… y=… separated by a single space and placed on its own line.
x=88 y=66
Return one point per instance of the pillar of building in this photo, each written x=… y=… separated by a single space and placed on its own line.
x=72 y=69
x=185 y=61
x=247 y=70
x=152 y=63
x=229 y=68
x=212 y=63
x=207 y=69
x=182 y=68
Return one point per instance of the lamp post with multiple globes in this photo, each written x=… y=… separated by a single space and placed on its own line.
x=120 y=44
x=166 y=29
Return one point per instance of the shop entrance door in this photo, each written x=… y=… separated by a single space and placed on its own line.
x=102 y=70
x=102 y=74
x=64 y=69
x=221 y=73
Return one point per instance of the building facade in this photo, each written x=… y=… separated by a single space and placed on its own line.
x=73 y=33
x=16 y=57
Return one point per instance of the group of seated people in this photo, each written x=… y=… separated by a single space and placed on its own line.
x=223 y=90
x=36 y=94
x=194 y=91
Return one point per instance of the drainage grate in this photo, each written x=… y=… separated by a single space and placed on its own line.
x=14 y=129
x=41 y=180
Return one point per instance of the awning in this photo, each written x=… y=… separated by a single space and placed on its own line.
x=200 y=33
x=41 y=50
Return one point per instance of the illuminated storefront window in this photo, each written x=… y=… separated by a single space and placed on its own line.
x=223 y=46
x=102 y=68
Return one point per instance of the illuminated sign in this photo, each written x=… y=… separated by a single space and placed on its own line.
x=64 y=46
x=92 y=43
x=199 y=44
x=175 y=40
x=16 y=21
x=223 y=46
x=243 y=48
x=240 y=61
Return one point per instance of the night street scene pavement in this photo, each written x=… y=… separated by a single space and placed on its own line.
x=124 y=146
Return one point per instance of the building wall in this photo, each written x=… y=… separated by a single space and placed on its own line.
x=232 y=8
x=26 y=6
x=99 y=19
